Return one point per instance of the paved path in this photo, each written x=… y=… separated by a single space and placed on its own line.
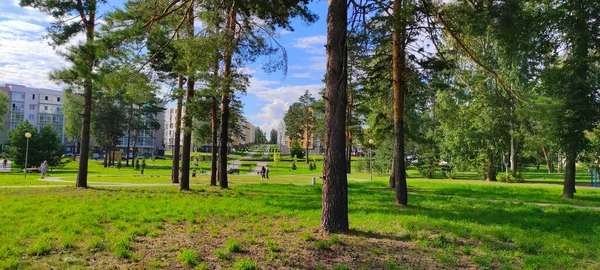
x=5 y=169
x=257 y=168
x=251 y=154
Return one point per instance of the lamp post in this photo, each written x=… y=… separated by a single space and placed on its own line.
x=27 y=135
x=371 y=158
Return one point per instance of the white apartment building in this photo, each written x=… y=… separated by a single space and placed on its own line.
x=169 y=127
x=39 y=106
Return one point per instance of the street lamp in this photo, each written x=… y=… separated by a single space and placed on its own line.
x=371 y=158
x=27 y=135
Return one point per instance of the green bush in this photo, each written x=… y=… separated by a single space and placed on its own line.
x=137 y=164
x=143 y=163
x=501 y=177
x=294 y=167
x=119 y=164
x=296 y=150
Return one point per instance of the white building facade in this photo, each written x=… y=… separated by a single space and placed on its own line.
x=39 y=106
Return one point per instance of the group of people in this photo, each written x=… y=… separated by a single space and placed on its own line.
x=264 y=172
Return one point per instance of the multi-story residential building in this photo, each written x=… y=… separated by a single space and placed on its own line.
x=248 y=138
x=39 y=106
x=169 y=127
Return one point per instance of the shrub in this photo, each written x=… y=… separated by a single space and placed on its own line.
x=143 y=163
x=294 y=167
x=119 y=164
x=501 y=177
x=296 y=150
x=137 y=164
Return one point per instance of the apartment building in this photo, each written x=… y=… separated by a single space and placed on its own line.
x=39 y=106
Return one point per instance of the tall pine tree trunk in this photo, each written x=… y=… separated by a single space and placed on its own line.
x=213 y=150
x=548 y=157
x=560 y=164
x=349 y=134
x=226 y=96
x=569 y=185
x=184 y=182
x=334 y=215
x=399 y=88
x=128 y=136
x=175 y=170
x=87 y=102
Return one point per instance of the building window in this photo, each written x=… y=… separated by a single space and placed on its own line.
x=58 y=109
x=45 y=108
x=58 y=99
x=33 y=96
x=31 y=117
x=46 y=98
x=32 y=106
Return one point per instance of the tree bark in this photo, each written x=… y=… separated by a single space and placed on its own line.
x=334 y=215
x=184 y=182
x=399 y=88
x=128 y=136
x=213 y=150
x=349 y=134
x=87 y=103
x=560 y=164
x=513 y=156
x=491 y=168
x=225 y=97
x=569 y=184
x=175 y=171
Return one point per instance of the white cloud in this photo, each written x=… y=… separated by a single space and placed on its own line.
x=279 y=98
x=301 y=75
x=313 y=45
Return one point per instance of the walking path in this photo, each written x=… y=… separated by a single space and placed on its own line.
x=258 y=168
x=251 y=154
x=5 y=169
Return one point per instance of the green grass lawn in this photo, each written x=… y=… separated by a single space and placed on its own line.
x=449 y=224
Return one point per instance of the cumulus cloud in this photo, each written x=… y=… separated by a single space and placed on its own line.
x=279 y=98
x=313 y=45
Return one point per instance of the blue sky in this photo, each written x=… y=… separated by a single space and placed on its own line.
x=26 y=58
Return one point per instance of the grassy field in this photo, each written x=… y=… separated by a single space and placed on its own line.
x=269 y=224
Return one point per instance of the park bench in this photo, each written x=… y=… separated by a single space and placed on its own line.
x=232 y=170
x=33 y=170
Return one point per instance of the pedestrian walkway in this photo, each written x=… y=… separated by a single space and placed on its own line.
x=4 y=169
x=259 y=166
x=251 y=154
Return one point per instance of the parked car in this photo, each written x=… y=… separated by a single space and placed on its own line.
x=95 y=156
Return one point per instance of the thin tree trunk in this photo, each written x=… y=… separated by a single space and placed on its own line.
x=349 y=134
x=87 y=106
x=106 y=158
x=513 y=155
x=569 y=184
x=184 y=182
x=560 y=164
x=399 y=88
x=225 y=97
x=128 y=136
x=491 y=168
x=175 y=171
x=334 y=215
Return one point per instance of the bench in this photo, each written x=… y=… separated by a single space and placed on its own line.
x=231 y=171
x=33 y=170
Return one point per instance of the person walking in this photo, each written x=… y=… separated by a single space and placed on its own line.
x=267 y=172
x=4 y=163
x=262 y=172
x=44 y=169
